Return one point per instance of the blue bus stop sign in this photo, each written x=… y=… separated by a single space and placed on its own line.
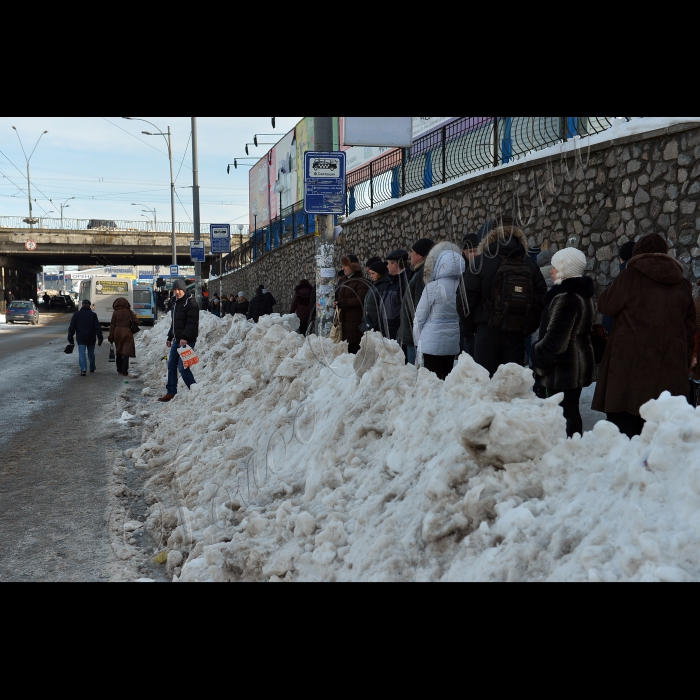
x=324 y=183
x=174 y=270
x=220 y=239
x=197 y=252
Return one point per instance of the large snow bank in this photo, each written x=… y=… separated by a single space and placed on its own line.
x=290 y=460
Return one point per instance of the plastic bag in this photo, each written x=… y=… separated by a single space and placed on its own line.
x=188 y=356
x=337 y=329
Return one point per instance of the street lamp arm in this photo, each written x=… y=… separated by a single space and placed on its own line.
x=37 y=144
x=145 y=121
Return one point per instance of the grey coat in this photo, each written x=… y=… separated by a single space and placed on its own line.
x=410 y=304
x=436 y=325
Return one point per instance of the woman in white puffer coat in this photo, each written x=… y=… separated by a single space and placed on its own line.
x=436 y=326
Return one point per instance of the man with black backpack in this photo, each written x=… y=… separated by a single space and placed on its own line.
x=397 y=262
x=505 y=293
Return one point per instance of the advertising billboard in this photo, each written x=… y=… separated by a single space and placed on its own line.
x=260 y=195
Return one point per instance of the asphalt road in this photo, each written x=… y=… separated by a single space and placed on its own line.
x=56 y=453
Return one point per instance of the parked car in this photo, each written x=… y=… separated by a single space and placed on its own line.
x=94 y=224
x=58 y=304
x=22 y=311
x=70 y=301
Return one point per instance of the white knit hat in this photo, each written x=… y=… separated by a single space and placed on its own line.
x=569 y=262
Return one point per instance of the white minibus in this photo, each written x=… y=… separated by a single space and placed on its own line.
x=103 y=292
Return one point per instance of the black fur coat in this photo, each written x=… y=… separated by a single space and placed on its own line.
x=563 y=357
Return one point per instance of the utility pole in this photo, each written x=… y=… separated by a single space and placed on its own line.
x=172 y=195
x=195 y=209
x=325 y=248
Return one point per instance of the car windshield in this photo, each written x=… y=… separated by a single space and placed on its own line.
x=142 y=296
x=21 y=305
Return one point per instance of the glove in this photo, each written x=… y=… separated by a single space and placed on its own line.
x=99 y=344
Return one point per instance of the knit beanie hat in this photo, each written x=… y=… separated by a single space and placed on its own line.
x=179 y=284
x=87 y=302
x=627 y=251
x=423 y=247
x=381 y=268
x=569 y=263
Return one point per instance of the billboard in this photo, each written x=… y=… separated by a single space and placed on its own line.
x=396 y=132
x=260 y=194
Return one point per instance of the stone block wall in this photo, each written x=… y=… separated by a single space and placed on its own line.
x=596 y=199
x=281 y=270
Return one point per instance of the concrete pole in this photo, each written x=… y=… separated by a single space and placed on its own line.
x=325 y=248
x=29 y=190
x=172 y=195
x=195 y=208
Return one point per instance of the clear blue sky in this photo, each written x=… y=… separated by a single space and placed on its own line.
x=106 y=164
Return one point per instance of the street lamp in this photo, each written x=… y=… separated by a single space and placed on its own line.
x=169 y=140
x=31 y=220
x=150 y=211
x=63 y=206
x=257 y=144
x=240 y=247
x=235 y=164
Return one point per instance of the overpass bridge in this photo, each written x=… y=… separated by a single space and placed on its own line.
x=113 y=242
x=26 y=247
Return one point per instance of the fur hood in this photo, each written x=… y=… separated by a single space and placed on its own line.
x=508 y=236
x=583 y=286
x=660 y=267
x=452 y=265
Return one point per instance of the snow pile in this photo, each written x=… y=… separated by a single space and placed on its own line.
x=2 y=318
x=293 y=460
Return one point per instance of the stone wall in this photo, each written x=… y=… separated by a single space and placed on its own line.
x=280 y=270
x=595 y=201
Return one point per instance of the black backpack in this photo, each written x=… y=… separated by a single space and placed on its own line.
x=392 y=309
x=513 y=306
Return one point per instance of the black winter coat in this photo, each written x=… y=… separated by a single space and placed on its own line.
x=411 y=299
x=301 y=303
x=375 y=315
x=184 y=320
x=86 y=328
x=481 y=274
x=240 y=307
x=563 y=358
x=261 y=305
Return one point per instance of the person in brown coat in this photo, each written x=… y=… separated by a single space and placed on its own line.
x=650 y=350
x=120 y=334
x=302 y=302
x=351 y=301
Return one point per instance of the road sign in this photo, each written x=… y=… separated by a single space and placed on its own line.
x=324 y=183
x=31 y=245
x=220 y=239
x=197 y=253
x=174 y=270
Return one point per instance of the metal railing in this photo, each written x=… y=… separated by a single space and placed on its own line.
x=42 y=223
x=467 y=145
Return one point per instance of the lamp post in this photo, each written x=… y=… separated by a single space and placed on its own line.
x=63 y=206
x=235 y=164
x=169 y=140
x=240 y=246
x=30 y=221
x=195 y=207
x=150 y=211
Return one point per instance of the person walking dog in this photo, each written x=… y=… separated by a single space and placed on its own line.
x=85 y=328
x=184 y=331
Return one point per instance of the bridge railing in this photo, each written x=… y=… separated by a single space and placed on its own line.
x=164 y=227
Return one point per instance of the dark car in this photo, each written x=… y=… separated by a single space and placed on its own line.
x=94 y=224
x=58 y=304
x=22 y=312
x=70 y=301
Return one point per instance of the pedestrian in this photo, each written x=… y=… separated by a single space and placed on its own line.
x=85 y=328
x=650 y=349
x=544 y=262
x=241 y=306
x=375 y=319
x=351 y=295
x=397 y=263
x=215 y=307
x=505 y=293
x=301 y=304
x=225 y=306
x=418 y=254
x=369 y=263
x=261 y=304
x=626 y=252
x=470 y=251
x=121 y=335
x=436 y=329
x=184 y=331
x=563 y=358
x=47 y=301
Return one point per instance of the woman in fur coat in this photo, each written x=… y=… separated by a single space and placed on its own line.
x=436 y=325
x=564 y=359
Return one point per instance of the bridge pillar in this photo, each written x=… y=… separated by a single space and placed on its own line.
x=19 y=278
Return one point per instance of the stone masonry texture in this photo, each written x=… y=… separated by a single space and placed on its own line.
x=596 y=199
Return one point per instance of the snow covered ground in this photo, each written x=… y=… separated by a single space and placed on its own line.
x=295 y=461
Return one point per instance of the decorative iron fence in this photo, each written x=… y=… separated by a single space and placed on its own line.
x=467 y=145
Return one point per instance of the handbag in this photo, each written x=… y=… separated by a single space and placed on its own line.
x=337 y=329
x=134 y=327
x=69 y=349
x=112 y=354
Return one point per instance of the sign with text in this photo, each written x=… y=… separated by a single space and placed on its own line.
x=324 y=183
x=220 y=239
x=174 y=270
x=197 y=252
